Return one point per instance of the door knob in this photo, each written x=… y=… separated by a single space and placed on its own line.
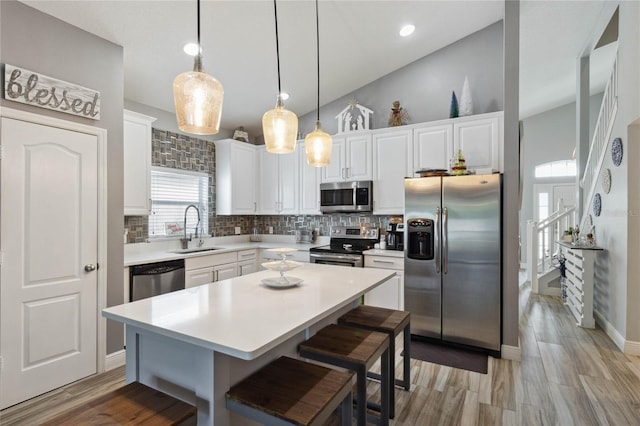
x=90 y=267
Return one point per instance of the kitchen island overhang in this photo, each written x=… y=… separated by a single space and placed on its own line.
x=195 y=343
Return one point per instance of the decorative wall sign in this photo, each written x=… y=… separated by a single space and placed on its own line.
x=597 y=204
x=616 y=151
x=606 y=181
x=31 y=88
x=354 y=117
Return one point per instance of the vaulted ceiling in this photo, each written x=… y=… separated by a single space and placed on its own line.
x=359 y=43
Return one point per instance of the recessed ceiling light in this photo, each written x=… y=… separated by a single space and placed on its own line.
x=284 y=96
x=407 y=30
x=191 y=49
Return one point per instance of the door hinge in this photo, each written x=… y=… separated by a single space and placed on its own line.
x=1 y=151
x=1 y=257
x=1 y=363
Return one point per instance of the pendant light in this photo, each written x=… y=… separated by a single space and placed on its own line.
x=198 y=98
x=279 y=125
x=318 y=144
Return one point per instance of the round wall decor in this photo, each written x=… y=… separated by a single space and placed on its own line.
x=597 y=204
x=606 y=181
x=616 y=151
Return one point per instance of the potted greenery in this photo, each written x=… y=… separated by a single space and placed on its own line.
x=568 y=235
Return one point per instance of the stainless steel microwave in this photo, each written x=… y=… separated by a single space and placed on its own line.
x=355 y=196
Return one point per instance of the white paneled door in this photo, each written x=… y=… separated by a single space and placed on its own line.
x=49 y=238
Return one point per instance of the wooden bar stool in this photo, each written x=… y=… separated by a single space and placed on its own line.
x=133 y=404
x=293 y=392
x=354 y=349
x=391 y=322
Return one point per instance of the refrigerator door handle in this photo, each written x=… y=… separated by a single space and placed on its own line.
x=437 y=243
x=445 y=241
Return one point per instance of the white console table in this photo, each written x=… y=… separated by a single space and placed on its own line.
x=579 y=263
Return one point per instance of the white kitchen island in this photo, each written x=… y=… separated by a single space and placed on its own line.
x=195 y=343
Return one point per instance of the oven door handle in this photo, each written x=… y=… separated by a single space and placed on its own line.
x=335 y=256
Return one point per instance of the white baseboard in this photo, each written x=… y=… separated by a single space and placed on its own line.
x=632 y=348
x=115 y=360
x=614 y=335
x=512 y=353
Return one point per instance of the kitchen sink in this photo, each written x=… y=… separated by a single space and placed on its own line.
x=194 y=250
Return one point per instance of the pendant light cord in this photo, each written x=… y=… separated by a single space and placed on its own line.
x=275 y=11
x=199 y=27
x=318 y=57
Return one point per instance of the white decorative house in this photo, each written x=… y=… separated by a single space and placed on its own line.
x=354 y=117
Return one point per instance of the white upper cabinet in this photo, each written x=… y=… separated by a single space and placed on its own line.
x=137 y=163
x=432 y=146
x=236 y=171
x=279 y=183
x=392 y=162
x=351 y=159
x=480 y=140
x=309 y=184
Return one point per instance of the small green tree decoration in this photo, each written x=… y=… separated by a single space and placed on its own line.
x=453 y=109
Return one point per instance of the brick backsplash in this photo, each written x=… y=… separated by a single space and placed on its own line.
x=178 y=151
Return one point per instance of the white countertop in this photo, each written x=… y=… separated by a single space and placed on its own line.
x=387 y=253
x=243 y=318
x=141 y=253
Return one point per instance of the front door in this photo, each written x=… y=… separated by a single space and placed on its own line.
x=48 y=284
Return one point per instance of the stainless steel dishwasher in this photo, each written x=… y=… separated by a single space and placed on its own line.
x=153 y=279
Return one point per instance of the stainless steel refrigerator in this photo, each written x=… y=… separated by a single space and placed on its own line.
x=453 y=258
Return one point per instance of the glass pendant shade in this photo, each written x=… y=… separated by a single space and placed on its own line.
x=317 y=146
x=198 y=100
x=280 y=129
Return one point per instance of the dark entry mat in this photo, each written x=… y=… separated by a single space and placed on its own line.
x=449 y=356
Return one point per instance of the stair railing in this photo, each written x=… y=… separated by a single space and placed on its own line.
x=543 y=237
x=599 y=143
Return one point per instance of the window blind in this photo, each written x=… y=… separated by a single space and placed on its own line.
x=172 y=190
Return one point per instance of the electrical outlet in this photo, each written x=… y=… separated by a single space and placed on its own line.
x=238 y=230
x=271 y=229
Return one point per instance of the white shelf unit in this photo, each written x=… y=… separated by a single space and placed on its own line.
x=579 y=281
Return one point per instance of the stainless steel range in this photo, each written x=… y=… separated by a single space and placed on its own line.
x=346 y=246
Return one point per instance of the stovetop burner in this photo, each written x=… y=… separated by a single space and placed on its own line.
x=350 y=240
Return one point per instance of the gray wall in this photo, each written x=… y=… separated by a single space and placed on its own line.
x=617 y=298
x=548 y=136
x=424 y=87
x=41 y=43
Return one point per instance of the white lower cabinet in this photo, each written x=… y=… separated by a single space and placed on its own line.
x=206 y=269
x=196 y=277
x=389 y=294
x=247 y=262
x=224 y=272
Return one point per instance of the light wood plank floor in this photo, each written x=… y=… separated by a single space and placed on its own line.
x=567 y=376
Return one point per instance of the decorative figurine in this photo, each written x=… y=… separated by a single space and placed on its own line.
x=466 y=102
x=354 y=117
x=240 y=135
x=453 y=108
x=399 y=116
x=459 y=167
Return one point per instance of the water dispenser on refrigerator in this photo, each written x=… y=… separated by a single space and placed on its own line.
x=420 y=245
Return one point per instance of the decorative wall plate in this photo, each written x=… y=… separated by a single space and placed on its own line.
x=606 y=181
x=616 y=151
x=597 y=204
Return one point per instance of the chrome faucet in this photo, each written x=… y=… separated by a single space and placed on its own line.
x=185 y=241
